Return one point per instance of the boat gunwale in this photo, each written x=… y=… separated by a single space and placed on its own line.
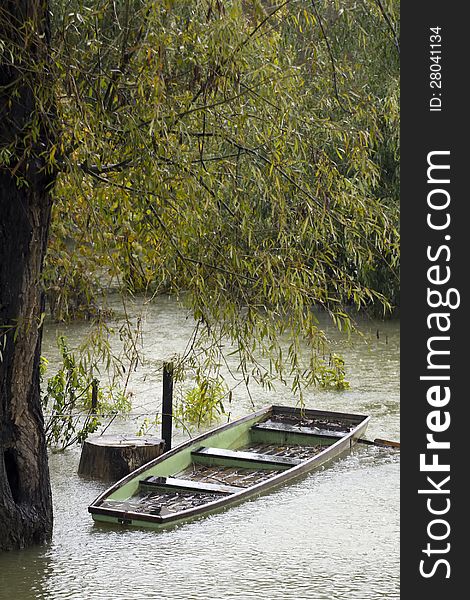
x=330 y=451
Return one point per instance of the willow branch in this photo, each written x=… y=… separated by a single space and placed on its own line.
x=332 y=59
x=389 y=23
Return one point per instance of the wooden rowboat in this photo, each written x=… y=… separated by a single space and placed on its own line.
x=227 y=465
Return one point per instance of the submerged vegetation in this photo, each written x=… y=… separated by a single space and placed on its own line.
x=73 y=401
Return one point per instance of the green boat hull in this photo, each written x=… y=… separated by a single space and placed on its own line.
x=228 y=465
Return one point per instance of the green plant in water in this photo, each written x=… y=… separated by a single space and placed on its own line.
x=74 y=403
x=332 y=376
x=148 y=424
x=203 y=404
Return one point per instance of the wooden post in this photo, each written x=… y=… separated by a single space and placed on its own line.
x=94 y=396
x=167 y=404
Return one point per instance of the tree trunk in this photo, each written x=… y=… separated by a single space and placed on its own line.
x=26 y=115
x=25 y=495
x=111 y=457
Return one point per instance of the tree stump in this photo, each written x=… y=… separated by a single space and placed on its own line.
x=111 y=457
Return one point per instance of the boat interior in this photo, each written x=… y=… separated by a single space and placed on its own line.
x=228 y=462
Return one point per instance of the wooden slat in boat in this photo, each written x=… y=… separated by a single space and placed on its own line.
x=289 y=450
x=293 y=435
x=300 y=429
x=185 y=485
x=240 y=458
x=162 y=502
x=237 y=477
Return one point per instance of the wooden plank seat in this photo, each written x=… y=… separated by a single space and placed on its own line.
x=298 y=430
x=187 y=485
x=240 y=458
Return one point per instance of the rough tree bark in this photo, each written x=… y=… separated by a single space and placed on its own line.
x=26 y=118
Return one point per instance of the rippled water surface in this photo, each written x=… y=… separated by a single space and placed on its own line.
x=333 y=535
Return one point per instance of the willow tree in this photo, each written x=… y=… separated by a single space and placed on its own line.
x=27 y=134
x=235 y=155
x=199 y=148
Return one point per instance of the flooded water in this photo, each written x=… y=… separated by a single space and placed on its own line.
x=333 y=535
